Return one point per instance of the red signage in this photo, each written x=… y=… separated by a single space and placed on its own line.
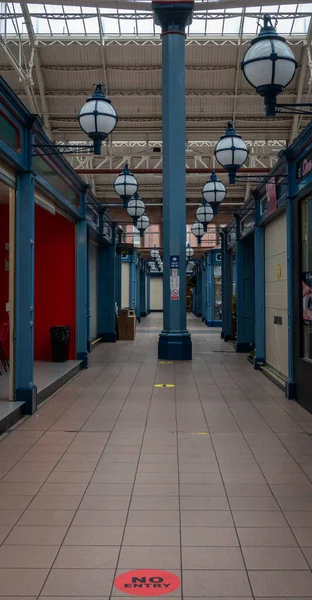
x=147 y=582
x=174 y=294
x=271 y=195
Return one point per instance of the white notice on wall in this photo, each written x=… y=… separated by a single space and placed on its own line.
x=174 y=282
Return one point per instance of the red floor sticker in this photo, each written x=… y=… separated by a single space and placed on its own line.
x=147 y=582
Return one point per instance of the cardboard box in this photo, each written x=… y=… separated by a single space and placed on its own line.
x=124 y=312
x=126 y=328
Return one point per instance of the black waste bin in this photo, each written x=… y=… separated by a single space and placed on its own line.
x=60 y=337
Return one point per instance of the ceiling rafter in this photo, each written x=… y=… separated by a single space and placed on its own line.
x=37 y=63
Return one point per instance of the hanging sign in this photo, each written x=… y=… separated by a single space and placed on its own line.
x=174 y=294
x=174 y=262
x=147 y=582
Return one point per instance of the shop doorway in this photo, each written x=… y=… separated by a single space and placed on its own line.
x=7 y=292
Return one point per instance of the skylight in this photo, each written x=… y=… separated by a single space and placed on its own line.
x=51 y=20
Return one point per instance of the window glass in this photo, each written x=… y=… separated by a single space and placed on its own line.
x=306 y=237
x=152 y=237
x=8 y=132
x=132 y=236
x=44 y=169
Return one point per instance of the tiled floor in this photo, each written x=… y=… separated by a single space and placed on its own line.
x=45 y=374
x=210 y=480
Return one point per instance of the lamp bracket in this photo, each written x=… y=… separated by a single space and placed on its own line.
x=295 y=109
x=55 y=149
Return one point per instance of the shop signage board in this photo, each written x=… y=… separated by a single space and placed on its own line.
x=147 y=582
x=174 y=262
x=304 y=167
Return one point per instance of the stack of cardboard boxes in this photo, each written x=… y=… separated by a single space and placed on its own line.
x=126 y=324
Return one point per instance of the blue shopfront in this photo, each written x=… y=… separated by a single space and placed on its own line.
x=49 y=218
x=299 y=157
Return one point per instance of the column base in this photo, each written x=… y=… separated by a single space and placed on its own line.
x=108 y=337
x=258 y=363
x=29 y=396
x=175 y=346
x=290 y=390
x=84 y=357
x=244 y=346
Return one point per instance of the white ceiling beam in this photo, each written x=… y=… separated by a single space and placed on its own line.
x=147 y=6
x=38 y=71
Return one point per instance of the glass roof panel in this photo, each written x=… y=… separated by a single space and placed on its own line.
x=122 y=22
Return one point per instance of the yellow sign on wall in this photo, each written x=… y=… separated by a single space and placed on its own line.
x=279 y=272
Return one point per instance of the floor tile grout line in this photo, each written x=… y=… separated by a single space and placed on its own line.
x=227 y=497
x=268 y=425
x=60 y=459
x=251 y=450
x=133 y=486
x=179 y=489
x=62 y=542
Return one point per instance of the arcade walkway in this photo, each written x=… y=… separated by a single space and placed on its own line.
x=209 y=480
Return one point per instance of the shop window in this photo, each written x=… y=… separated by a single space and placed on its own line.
x=152 y=237
x=306 y=237
x=217 y=292
x=8 y=132
x=44 y=169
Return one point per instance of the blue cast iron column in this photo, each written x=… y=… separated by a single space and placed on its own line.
x=259 y=290
x=143 y=310
x=245 y=297
x=148 y=291
x=82 y=300
x=199 y=284
x=226 y=332
x=173 y=17
x=118 y=279
x=138 y=289
x=106 y=291
x=26 y=391
x=133 y=281
x=203 y=290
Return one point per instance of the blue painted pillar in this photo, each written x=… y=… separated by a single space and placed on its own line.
x=82 y=300
x=138 y=290
x=26 y=391
x=259 y=290
x=118 y=279
x=148 y=292
x=133 y=281
x=204 y=286
x=106 y=290
x=245 y=297
x=290 y=389
x=210 y=279
x=173 y=17
x=199 y=283
x=226 y=332
x=143 y=308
